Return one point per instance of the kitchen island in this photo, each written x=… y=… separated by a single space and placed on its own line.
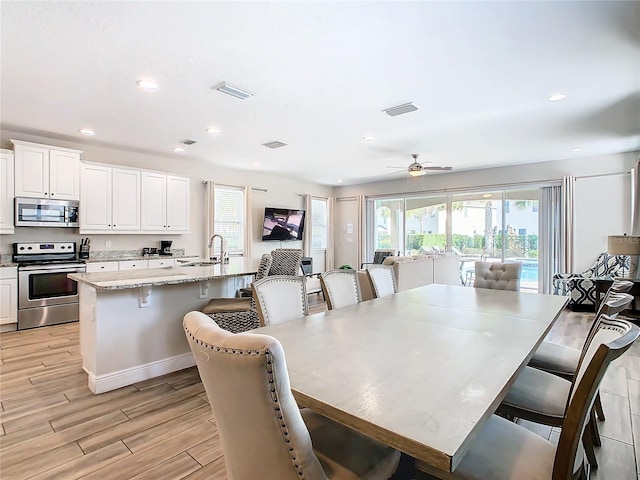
x=131 y=321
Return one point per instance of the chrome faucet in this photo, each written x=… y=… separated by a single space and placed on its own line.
x=213 y=258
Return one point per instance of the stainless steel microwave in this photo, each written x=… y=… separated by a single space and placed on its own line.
x=43 y=212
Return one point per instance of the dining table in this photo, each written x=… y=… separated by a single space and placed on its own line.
x=420 y=370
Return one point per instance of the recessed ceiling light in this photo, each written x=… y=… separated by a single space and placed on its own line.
x=214 y=130
x=486 y=195
x=256 y=164
x=87 y=131
x=368 y=139
x=400 y=109
x=232 y=90
x=556 y=97
x=577 y=149
x=339 y=180
x=178 y=150
x=148 y=84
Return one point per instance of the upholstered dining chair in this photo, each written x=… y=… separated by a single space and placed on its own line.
x=541 y=397
x=498 y=276
x=382 y=280
x=263 y=432
x=504 y=450
x=563 y=360
x=280 y=298
x=340 y=288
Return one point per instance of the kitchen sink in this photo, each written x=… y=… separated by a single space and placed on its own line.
x=199 y=264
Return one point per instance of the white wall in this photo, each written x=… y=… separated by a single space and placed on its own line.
x=603 y=208
x=596 y=219
x=281 y=192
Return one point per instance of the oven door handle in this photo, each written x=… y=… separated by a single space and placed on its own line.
x=61 y=270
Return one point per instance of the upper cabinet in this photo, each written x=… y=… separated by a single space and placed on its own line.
x=44 y=171
x=124 y=200
x=6 y=191
x=110 y=199
x=165 y=203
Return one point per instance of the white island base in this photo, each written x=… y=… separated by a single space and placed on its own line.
x=128 y=335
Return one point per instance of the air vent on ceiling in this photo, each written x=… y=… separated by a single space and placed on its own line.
x=400 y=109
x=232 y=90
x=274 y=144
x=188 y=142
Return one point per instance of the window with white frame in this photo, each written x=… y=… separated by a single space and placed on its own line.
x=319 y=222
x=229 y=217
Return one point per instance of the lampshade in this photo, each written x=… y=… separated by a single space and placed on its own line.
x=624 y=244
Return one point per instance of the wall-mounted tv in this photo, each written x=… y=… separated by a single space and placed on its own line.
x=282 y=224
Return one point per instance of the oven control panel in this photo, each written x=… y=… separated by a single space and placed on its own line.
x=50 y=247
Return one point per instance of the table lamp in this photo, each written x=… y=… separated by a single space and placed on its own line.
x=626 y=245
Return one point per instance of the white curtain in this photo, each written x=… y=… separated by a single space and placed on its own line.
x=211 y=204
x=567 y=227
x=248 y=222
x=635 y=199
x=550 y=240
x=308 y=227
x=362 y=229
x=329 y=261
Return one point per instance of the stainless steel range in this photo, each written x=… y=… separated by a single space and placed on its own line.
x=45 y=295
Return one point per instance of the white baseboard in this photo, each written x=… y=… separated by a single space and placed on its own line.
x=129 y=376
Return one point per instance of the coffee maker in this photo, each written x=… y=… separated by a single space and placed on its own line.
x=165 y=247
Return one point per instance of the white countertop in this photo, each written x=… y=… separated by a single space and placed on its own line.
x=123 y=279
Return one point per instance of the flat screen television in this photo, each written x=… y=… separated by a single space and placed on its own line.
x=282 y=224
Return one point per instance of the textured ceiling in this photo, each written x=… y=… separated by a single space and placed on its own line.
x=322 y=72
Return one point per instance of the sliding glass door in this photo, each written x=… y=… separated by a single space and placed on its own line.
x=425 y=225
x=521 y=234
x=495 y=225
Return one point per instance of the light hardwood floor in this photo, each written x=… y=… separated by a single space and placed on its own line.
x=53 y=427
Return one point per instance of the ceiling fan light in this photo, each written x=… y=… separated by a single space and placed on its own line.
x=416 y=173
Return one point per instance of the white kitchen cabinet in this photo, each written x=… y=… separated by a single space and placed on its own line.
x=161 y=262
x=165 y=203
x=102 y=267
x=178 y=201
x=45 y=171
x=154 y=201
x=8 y=298
x=110 y=199
x=126 y=199
x=95 y=199
x=133 y=264
x=6 y=191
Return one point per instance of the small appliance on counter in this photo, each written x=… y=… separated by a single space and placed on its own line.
x=165 y=247
x=149 y=251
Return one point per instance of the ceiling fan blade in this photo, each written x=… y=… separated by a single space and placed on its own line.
x=437 y=168
x=393 y=173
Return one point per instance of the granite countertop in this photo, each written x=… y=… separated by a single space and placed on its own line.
x=124 y=279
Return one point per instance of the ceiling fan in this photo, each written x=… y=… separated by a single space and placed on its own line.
x=417 y=169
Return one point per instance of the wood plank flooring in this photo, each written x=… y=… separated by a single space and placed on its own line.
x=53 y=427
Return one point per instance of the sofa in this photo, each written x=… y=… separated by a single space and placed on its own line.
x=416 y=271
